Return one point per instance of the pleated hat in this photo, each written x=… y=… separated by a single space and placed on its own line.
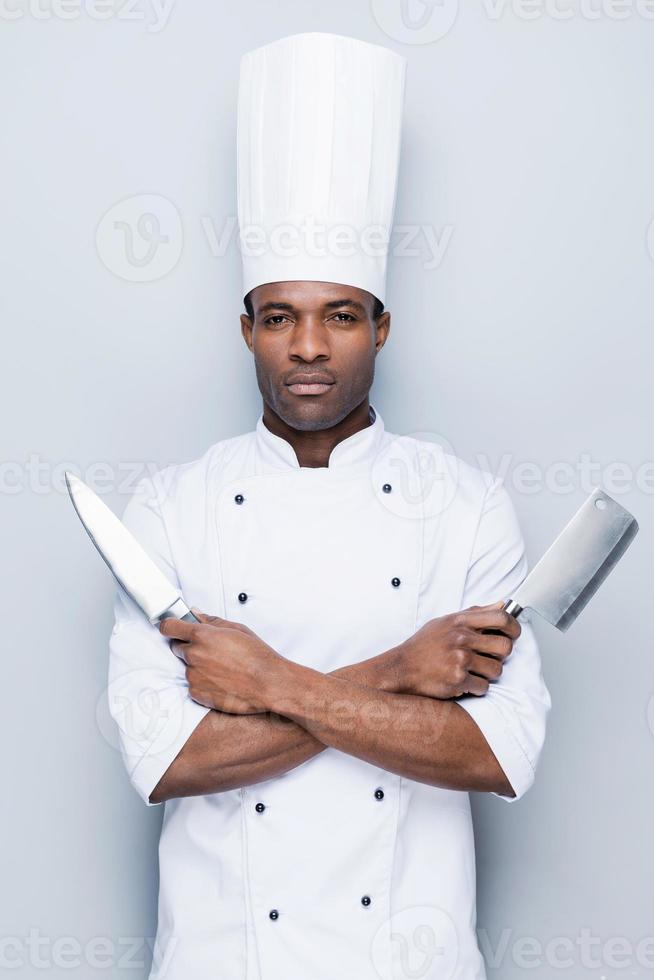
x=318 y=147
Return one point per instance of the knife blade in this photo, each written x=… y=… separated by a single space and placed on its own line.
x=127 y=560
x=573 y=568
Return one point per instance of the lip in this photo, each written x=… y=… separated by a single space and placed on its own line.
x=309 y=384
x=309 y=388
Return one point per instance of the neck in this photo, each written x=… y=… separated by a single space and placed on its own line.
x=313 y=447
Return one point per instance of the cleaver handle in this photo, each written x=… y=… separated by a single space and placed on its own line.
x=513 y=608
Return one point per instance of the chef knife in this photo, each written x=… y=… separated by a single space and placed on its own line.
x=575 y=565
x=131 y=566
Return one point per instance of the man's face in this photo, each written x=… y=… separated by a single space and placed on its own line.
x=314 y=346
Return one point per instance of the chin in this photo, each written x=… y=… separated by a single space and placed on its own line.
x=309 y=413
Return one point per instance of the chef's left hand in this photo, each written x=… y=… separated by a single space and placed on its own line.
x=226 y=662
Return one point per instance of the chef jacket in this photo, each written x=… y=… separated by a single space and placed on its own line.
x=337 y=869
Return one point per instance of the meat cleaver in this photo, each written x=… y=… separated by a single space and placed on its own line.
x=130 y=564
x=573 y=568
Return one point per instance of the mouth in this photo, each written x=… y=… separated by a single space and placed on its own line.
x=310 y=386
x=314 y=388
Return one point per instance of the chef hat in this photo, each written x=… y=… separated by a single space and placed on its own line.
x=318 y=140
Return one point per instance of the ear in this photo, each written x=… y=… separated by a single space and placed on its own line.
x=382 y=330
x=246 y=329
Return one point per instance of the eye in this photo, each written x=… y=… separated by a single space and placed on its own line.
x=276 y=320
x=348 y=318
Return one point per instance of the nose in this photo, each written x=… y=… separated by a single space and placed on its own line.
x=309 y=339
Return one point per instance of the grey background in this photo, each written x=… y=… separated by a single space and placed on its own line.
x=530 y=343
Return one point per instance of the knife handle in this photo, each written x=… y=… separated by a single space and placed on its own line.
x=179 y=610
x=176 y=611
x=513 y=608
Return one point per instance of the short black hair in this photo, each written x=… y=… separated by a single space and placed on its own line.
x=377 y=309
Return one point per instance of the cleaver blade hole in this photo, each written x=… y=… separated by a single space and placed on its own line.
x=600 y=503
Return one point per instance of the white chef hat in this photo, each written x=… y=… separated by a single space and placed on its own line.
x=318 y=141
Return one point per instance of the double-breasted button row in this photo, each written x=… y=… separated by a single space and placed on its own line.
x=242 y=596
x=379 y=795
x=239 y=499
x=365 y=901
x=395 y=581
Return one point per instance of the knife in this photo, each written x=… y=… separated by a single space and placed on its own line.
x=128 y=561
x=575 y=565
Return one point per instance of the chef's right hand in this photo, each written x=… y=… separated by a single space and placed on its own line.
x=453 y=655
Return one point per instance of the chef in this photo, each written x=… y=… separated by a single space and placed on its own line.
x=353 y=676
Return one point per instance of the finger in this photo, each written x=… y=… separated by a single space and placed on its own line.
x=206 y=618
x=476 y=685
x=492 y=644
x=216 y=620
x=178 y=647
x=177 y=629
x=492 y=617
x=488 y=667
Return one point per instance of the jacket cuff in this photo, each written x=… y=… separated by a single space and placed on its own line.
x=503 y=743
x=163 y=751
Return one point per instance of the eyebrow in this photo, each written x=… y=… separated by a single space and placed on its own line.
x=332 y=305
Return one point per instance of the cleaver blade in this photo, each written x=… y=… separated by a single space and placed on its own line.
x=575 y=565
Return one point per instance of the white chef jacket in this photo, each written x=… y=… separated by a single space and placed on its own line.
x=370 y=874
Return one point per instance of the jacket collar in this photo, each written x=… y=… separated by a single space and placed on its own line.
x=359 y=448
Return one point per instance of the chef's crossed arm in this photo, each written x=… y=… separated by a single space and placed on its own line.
x=179 y=736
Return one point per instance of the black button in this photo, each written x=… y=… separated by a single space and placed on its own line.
x=273 y=914
x=260 y=807
x=379 y=794
x=394 y=582
x=366 y=900
x=239 y=498
x=387 y=488
x=242 y=597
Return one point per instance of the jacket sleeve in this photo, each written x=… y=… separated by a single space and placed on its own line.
x=148 y=693
x=512 y=714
